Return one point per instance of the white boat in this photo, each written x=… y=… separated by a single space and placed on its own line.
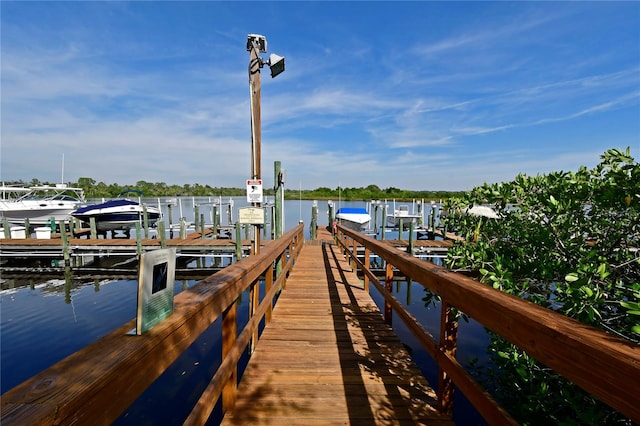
x=9 y=192
x=39 y=204
x=119 y=213
x=402 y=213
x=355 y=218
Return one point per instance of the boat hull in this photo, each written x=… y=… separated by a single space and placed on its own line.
x=39 y=212
x=117 y=214
x=354 y=218
x=406 y=220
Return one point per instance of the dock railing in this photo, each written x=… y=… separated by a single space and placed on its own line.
x=603 y=365
x=96 y=384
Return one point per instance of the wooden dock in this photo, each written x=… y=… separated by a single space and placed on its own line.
x=328 y=357
x=54 y=247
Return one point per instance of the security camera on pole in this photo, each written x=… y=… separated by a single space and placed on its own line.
x=257 y=44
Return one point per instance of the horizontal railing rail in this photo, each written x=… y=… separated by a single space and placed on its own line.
x=605 y=366
x=96 y=384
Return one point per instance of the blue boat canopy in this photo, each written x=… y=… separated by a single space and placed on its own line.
x=352 y=210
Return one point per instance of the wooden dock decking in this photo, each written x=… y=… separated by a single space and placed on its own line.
x=327 y=356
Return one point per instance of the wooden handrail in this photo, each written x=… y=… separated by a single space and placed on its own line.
x=605 y=366
x=96 y=384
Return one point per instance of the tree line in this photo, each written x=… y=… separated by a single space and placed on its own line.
x=93 y=189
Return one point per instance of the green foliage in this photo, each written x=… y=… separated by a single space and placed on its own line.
x=568 y=241
x=371 y=192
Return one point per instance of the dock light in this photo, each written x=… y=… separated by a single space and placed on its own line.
x=276 y=64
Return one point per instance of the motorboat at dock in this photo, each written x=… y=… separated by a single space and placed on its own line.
x=119 y=213
x=39 y=204
x=356 y=218
x=402 y=213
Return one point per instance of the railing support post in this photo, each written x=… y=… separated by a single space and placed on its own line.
x=229 y=335
x=388 y=283
x=448 y=345
x=268 y=283
x=254 y=301
x=354 y=253
x=367 y=266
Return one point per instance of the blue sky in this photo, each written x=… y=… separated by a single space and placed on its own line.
x=414 y=95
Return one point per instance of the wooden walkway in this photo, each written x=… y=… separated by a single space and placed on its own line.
x=328 y=358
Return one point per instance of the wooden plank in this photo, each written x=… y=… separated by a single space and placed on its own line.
x=327 y=357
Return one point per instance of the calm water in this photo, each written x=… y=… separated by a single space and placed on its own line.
x=44 y=320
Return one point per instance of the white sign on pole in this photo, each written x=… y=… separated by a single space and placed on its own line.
x=254 y=190
x=251 y=215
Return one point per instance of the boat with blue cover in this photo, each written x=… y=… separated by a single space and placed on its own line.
x=119 y=213
x=356 y=218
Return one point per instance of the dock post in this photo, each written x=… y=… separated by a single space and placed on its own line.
x=238 y=243
x=411 y=229
x=7 y=230
x=138 y=239
x=384 y=221
x=163 y=234
x=183 y=230
x=196 y=217
x=169 y=206
x=65 y=243
x=375 y=217
x=27 y=234
x=400 y=229
x=279 y=178
x=202 y=226
x=314 y=220
x=145 y=221
x=92 y=225
x=215 y=220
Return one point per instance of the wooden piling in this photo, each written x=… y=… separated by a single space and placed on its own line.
x=238 y=243
x=65 y=242
x=138 y=239
x=7 y=229
x=162 y=233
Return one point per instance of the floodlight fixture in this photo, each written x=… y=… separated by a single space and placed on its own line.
x=276 y=64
